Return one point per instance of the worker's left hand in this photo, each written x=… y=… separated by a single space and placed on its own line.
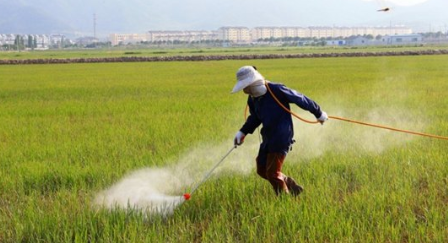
x=323 y=117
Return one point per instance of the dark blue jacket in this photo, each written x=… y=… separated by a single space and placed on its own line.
x=277 y=131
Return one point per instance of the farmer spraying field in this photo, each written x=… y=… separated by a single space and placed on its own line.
x=269 y=105
x=277 y=132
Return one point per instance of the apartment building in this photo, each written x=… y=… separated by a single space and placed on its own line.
x=244 y=35
x=235 y=34
x=402 y=39
x=7 y=39
x=325 y=32
x=321 y=32
x=164 y=36
x=342 y=32
x=38 y=41
x=117 y=39
x=260 y=33
x=300 y=32
x=183 y=36
x=42 y=41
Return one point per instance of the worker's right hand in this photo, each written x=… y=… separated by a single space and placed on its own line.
x=239 y=138
x=323 y=118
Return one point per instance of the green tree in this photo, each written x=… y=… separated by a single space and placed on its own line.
x=30 y=42
x=19 y=43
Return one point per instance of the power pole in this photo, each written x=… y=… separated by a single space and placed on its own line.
x=94 y=25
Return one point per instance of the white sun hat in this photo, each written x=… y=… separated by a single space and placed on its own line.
x=246 y=76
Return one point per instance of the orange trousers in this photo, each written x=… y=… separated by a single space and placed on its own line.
x=271 y=171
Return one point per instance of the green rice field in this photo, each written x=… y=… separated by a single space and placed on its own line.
x=175 y=51
x=70 y=131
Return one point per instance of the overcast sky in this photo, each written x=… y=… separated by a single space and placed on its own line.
x=399 y=2
x=139 y=16
x=211 y=14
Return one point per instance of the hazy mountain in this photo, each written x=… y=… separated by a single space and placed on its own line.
x=75 y=17
x=18 y=18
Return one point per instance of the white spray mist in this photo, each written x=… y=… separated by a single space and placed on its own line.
x=160 y=190
x=340 y=136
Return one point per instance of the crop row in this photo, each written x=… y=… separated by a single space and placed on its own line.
x=219 y=57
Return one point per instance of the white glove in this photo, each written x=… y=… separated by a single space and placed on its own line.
x=323 y=117
x=239 y=138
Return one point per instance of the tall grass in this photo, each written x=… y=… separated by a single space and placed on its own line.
x=70 y=131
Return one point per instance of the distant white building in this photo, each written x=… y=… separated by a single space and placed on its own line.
x=244 y=35
x=84 y=41
x=7 y=39
x=359 y=41
x=184 y=36
x=164 y=36
x=117 y=39
x=260 y=33
x=325 y=32
x=401 y=39
x=42 y=41
x=235 y=34
x=335 y=43
x=57 y=40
